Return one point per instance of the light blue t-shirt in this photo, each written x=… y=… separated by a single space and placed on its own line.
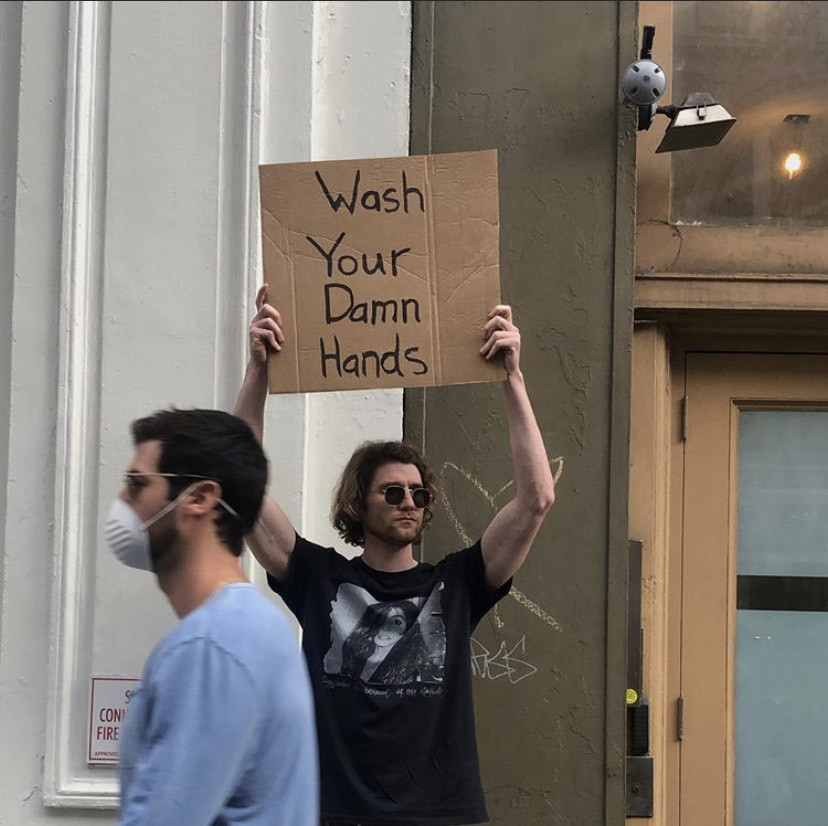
x=221 y=730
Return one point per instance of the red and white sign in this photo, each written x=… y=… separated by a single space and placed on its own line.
x=109 y=702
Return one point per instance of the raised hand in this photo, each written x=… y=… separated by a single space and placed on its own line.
x=265 y=332
x=500 y=335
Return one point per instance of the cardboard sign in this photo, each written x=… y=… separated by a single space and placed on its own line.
x=108 y=704
x=384 y=271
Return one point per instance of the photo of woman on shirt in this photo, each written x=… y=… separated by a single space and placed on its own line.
x=387 y=647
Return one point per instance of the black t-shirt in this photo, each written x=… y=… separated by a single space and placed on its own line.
x=390 y=663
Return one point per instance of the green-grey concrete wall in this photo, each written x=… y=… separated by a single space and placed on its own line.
x=540 y=82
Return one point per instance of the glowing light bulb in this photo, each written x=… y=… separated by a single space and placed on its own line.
x=793 y=163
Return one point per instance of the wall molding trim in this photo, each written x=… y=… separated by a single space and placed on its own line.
x=77 y=414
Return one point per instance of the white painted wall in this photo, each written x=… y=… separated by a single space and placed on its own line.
x=356 y=74
x=130 y=134
x=10 y=20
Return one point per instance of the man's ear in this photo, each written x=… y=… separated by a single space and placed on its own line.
x=203 y=498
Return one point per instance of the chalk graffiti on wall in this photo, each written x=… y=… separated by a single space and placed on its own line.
x=502 y=663
x=492 y=501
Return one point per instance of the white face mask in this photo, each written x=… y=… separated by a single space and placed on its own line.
x=128 y=537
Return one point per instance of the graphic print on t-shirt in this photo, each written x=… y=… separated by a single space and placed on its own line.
x=386 y=643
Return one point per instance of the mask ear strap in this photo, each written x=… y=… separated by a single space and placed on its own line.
x=229 y=509
x=168 y=507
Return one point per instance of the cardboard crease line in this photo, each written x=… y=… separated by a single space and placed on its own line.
x=433 y=269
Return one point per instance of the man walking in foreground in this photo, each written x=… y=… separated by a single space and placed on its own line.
x=220 y=730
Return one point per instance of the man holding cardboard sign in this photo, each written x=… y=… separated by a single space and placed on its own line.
x=385 y=635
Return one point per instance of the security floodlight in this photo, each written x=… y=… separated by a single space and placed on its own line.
x=699 y=121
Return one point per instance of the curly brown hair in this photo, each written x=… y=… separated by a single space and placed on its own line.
x=349 y=498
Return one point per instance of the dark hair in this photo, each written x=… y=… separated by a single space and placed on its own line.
x=218 y=446
x=359 y=644
x=349 y=499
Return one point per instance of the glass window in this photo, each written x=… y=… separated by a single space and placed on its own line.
x=765 y=62
x=782 y=618
x=783 y=493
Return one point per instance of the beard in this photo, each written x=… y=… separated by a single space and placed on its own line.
x=164 y=541
x=397 y=535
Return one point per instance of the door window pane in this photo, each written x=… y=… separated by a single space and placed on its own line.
x=782 y=618
x=781 y=724
x=783 y=492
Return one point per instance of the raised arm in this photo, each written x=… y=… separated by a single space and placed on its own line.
x=273 y=537
x=507 y=540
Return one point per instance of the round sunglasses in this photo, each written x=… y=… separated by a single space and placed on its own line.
x=394 y=495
